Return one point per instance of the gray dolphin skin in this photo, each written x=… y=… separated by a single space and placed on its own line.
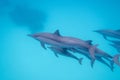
x=109 y=33
x=64 y=52
x=64 y=41
x=115 y=42
x=116 y=46
x=100 y=56
x=64 y=45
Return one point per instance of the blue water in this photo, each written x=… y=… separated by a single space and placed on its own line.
x=22 y=58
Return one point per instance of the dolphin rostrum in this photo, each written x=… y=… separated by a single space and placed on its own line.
x=109 y=33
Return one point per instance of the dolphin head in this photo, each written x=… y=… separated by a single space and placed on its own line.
x=53 y=36
x=100 y=31
x=45 y=35
x=104 y=32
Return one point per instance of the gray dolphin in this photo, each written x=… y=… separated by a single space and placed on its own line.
x=117 y=46
x=100 y=56
x=56 y=39
x=64 y=52
x=115 y=41
x=109 y=33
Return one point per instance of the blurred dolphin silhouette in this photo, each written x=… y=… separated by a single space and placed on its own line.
x=109 y=33
x=116 y=46
x=55 y=39
x=63 y=44
x=115 y=41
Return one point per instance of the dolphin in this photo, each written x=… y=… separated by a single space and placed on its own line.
x=64 y=52
x=115 y=42
x=100 y=56
x=117 y=46
x=56 y=39
x=109 y=33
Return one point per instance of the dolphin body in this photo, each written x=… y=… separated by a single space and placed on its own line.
x=99 y=54
x=116 y=46
x=109 y=33
x=64 y=52
x=98 y=58
x=115 y=42
x=56 y=39
x=63 y=43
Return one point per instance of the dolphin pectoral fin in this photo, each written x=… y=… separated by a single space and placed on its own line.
x=116 y=59
x=92 y=62
x=80 y=60
x=43 y=45
x=105 y=37
x=57 y=33
x=89 y=42
x=56 y=54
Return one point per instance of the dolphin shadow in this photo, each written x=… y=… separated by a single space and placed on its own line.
x=29 y=17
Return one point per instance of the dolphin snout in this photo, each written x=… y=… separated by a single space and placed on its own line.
x=30 y=35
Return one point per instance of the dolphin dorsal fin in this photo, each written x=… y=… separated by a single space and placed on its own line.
x=57 y=32
x=89 y=42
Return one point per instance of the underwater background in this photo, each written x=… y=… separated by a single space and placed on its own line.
x=23 y=58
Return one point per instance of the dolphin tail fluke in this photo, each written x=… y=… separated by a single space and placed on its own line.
x=80 y=60
x=116 y=59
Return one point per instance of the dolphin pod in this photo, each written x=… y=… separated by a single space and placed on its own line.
x=67 y=46
x=64 y=52
x=111 y=34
